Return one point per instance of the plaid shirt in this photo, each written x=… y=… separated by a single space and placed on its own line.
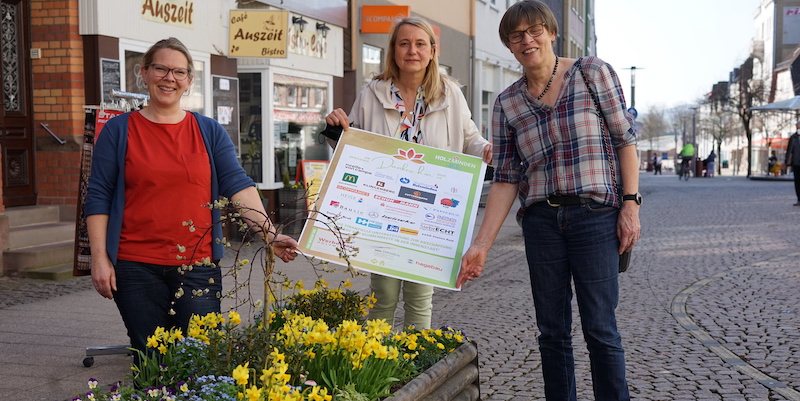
x=560 y=150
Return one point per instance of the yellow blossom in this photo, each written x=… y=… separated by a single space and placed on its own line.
x=241 y=374
x=234 y=317
x=253 y=393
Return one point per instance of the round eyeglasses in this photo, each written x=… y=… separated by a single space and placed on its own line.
x=161 y=71
x=532 y=31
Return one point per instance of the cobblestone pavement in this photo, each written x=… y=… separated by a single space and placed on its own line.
x=710 y=309
x=22 y=290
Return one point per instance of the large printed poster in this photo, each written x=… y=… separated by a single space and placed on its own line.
x=410 y=207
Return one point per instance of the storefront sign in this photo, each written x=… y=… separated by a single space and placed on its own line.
x=409 y=208
x=791 y=25
x=379 y=19
x=308 y=43
x=258 y=33
x=172 y=12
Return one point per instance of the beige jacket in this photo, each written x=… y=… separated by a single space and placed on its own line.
x=447 y=123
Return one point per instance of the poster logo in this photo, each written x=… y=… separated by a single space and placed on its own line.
x=351 y=178
x=449 y=202
x=417 y=195
x=410 y=155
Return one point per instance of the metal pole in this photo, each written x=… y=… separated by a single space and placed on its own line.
x=633 y=87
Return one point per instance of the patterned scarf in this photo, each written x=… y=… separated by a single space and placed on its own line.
x=409 y=128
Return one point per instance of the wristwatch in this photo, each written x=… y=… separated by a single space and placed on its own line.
x=637 y=197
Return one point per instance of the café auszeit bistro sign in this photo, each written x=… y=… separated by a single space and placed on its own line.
x=258 y=33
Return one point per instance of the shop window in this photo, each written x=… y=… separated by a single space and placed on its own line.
x=371 y=62
x=250 y=120
x=486 y=98
x=299 y=116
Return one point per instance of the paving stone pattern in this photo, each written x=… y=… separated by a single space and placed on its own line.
x=733 y=240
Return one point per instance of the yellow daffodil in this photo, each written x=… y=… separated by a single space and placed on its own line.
x=253 y=393
x=241 y=374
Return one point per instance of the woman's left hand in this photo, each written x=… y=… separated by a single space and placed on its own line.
x=285 y=247
x=628 y=226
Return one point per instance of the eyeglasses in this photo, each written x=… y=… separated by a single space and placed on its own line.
x=161 y=71
x=532 y=31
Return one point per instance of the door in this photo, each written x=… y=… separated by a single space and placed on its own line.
x=16 y=116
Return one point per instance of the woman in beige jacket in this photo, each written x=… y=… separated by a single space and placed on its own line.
x=411 y=100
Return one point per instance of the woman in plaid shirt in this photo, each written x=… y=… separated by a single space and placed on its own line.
x=575 y=172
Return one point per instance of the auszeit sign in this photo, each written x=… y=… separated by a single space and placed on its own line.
x=173 y=12
x=258 y=33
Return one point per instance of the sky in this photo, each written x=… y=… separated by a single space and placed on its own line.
x=680 y=48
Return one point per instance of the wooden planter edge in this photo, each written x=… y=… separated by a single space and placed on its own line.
x=454 y=377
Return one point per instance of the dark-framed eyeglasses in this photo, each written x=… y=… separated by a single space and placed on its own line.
x=532 y=31
x=161 y=71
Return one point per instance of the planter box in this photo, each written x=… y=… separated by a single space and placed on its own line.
x=453 y=378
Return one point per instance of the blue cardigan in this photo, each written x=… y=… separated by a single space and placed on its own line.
x=106 y=192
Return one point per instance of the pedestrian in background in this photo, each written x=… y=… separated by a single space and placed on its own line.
x=772 y=164
x=152 y=170
x=656 y=164
x=576 y=177
x=413 y=101
x=712 y=157
x=793 y=159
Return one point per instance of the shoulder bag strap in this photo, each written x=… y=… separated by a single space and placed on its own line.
x=603 y=132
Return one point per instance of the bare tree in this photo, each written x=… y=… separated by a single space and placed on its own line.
x=751 y=91
x=653 y=124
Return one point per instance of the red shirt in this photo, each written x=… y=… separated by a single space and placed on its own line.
x=167 y=183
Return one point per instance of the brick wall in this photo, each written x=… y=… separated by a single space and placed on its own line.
x=58 y=99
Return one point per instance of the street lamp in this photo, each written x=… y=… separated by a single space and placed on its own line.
x=633 y=86
x=694 y=126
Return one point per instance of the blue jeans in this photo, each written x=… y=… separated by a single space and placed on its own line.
x=145 y=295
x=579 y=244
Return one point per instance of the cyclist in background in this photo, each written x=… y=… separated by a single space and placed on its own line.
x=687 y=154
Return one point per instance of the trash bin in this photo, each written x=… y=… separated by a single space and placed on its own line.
x=724 y=164
x=700 y=167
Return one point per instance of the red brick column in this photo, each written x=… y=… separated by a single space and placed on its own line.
x=58 y=98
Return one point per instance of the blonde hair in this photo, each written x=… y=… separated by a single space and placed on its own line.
x=433 y=82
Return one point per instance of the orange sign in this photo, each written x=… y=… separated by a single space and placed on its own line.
x=379 y=19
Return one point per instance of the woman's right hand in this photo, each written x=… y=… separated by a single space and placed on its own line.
x=337 y=118
x=104 y=277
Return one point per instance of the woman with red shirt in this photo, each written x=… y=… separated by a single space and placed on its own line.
x=152 y=170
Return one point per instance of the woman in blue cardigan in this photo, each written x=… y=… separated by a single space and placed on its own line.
x=153 y=171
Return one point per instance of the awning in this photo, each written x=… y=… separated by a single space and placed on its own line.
x=783 y=105
x=773 y=143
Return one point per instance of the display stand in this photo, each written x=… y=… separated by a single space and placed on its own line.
x=96 y=116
